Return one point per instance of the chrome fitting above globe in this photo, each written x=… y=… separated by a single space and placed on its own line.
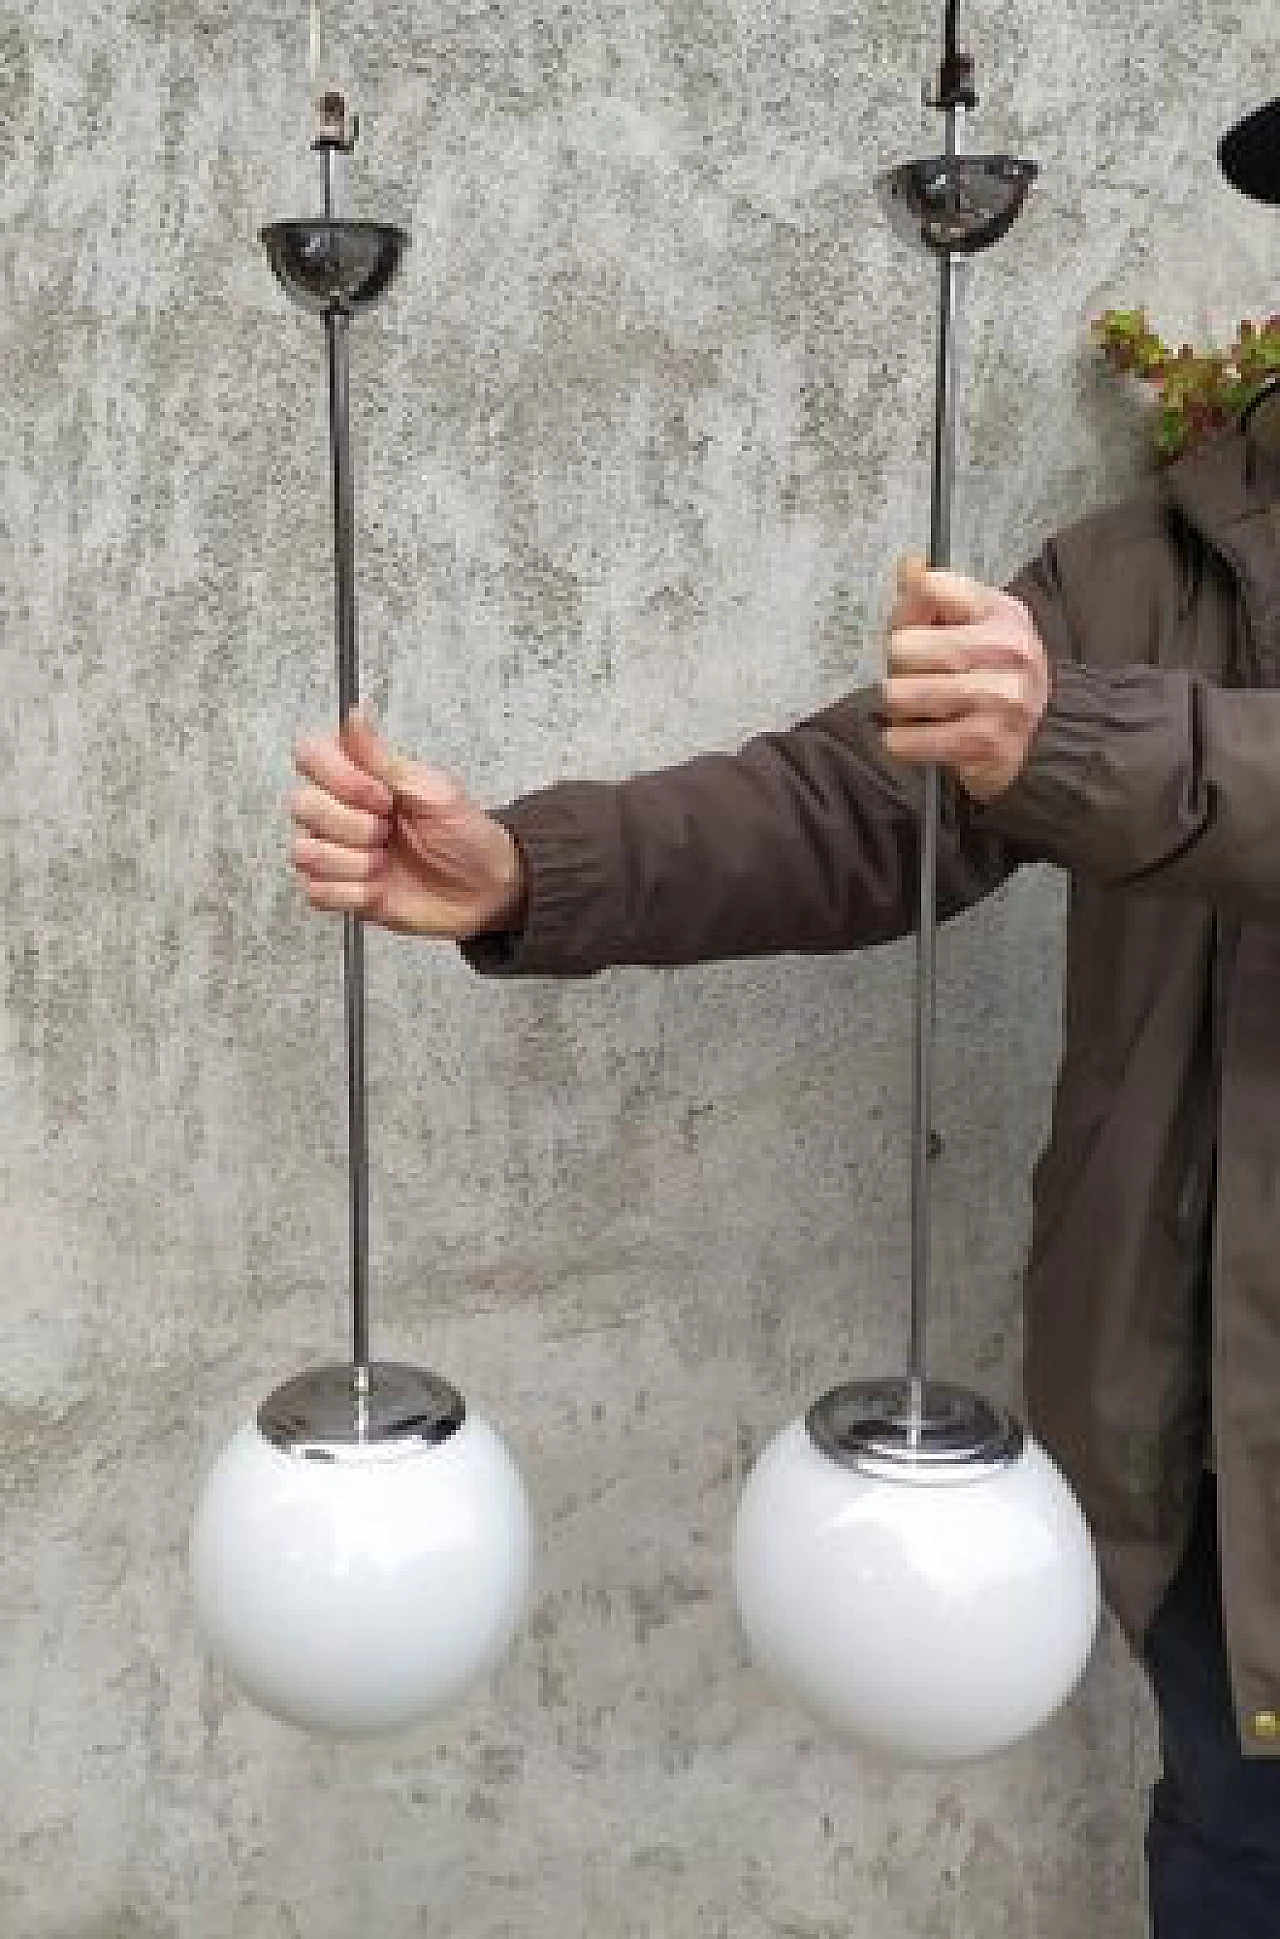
x=332 y=1413
x=900 y=1430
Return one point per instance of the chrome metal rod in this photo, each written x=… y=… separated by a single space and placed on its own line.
x=332 y=159
x=336 y=330
x=926 y=939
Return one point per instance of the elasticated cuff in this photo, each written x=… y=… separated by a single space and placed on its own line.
x=1102 y=746
x=565 y=881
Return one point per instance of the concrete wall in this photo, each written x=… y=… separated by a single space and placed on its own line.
x=639 y=435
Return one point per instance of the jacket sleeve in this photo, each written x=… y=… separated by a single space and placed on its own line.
x=1143 y=776
x=804 y=841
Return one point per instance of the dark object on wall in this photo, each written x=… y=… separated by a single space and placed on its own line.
x=1250 y=153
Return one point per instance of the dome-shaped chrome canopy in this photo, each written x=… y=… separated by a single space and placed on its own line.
x=329 y=265
x=961 y=203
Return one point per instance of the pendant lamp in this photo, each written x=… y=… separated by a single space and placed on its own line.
x=360 y=1552
x=911 y=1569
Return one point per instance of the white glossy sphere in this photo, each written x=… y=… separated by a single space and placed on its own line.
x=927 y=1622
x=359 y=1596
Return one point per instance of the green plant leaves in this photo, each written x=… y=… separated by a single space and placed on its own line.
x=1199 y=392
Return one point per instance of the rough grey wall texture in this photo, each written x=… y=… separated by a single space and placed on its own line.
x=639 y=436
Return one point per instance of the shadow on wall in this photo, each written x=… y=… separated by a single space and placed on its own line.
x=254 y=1919
x=126 y=1923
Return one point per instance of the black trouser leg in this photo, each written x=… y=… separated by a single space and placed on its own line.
x=1213 y=1844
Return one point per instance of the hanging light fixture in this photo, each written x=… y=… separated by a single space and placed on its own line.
x=910 y=1567
x=360 y=1553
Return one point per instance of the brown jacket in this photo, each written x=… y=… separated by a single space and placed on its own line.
x=1157 y=785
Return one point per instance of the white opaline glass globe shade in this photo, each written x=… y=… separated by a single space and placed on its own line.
x=364 y=1594
x=927 y=1621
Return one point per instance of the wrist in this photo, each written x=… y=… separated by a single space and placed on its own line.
x=508 y=910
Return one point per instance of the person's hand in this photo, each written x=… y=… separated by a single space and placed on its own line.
x=967 y=680
x=399 y=844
